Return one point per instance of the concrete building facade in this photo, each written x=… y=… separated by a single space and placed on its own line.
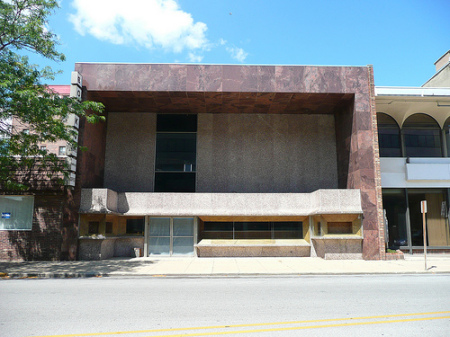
x=217 y=160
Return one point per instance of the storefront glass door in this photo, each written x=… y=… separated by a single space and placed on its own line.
x=171 y=236
x=437 y=222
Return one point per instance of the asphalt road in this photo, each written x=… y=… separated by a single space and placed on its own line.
x=394 y=305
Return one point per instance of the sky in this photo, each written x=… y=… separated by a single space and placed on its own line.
x=401 y=38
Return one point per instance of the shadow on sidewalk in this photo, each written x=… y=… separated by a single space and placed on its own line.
x=72 y=267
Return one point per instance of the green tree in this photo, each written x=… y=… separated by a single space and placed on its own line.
x=25 y=97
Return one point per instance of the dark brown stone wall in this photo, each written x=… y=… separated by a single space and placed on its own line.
x=91 y=163
x=359 y=164
x=344 y=125
x=90 y=174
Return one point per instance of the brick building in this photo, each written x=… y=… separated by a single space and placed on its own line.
x=41 y=223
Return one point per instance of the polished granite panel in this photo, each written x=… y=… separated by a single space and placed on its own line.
x=220 y=102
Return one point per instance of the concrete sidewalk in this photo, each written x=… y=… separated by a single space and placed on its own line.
x=223 y=267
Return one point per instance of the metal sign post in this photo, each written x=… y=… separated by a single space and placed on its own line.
x=423 y=210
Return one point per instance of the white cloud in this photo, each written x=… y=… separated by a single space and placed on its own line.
x=195 y=58
x=237 y=53
x=148 y=23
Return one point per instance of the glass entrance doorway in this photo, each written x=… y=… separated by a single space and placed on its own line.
x=437 y=223
x=171 y=236
x=404 y=218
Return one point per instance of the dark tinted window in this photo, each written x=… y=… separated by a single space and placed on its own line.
x=135 y=226
x=176 y=123
x=218 y=226
x=388 y=136
x=176 y=152
x=93 y=227
x=422 y=136
x=253 y=230
x=174 y=182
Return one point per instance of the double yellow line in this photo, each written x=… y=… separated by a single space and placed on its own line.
x=216 y=333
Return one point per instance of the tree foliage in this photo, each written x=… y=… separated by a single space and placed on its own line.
x=26 y=99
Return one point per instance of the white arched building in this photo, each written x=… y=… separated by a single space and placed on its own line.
x=414 y=145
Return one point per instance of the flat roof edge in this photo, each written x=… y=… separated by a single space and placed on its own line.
x=412 y=91
x=230 y=64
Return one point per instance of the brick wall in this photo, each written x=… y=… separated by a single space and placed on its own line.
x=44 y=240
x=52 y=147
x=54 y=234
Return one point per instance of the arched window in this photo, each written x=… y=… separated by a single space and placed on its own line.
x=422 y=136
x=447 y=135
x=388 y=136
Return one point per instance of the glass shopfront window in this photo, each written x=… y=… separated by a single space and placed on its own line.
x=394 y=202
x=437 y=221
x=248 y=230
x=403 y=213
x=16 y=212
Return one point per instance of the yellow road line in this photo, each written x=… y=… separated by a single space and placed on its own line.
x=251 y=325
x=303 y=327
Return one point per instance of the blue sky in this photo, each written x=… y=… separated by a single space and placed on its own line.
x=401 y=38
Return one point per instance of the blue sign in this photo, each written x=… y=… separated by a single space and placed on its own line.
x=6 y=215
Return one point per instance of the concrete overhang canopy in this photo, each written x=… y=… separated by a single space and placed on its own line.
x=178 y=88
x=336 y=201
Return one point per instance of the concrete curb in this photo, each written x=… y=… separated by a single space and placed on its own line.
x=51 y=275
x=221 y=275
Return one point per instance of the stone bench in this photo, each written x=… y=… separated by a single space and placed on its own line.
x=253 y=248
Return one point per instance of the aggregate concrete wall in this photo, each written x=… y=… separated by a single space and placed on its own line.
x=266 y=153
x=222 y=204
x=130 y=152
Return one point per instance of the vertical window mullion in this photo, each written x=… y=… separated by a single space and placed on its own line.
x=171 y=237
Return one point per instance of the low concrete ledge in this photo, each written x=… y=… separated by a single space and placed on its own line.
x=253 y=248
x=338 y=237
x=337 y=247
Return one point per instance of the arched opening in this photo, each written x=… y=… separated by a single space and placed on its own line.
x=388 y=136
x=447 y=135
x=422 y=136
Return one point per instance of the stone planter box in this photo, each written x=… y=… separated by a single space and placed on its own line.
x=102 y=248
